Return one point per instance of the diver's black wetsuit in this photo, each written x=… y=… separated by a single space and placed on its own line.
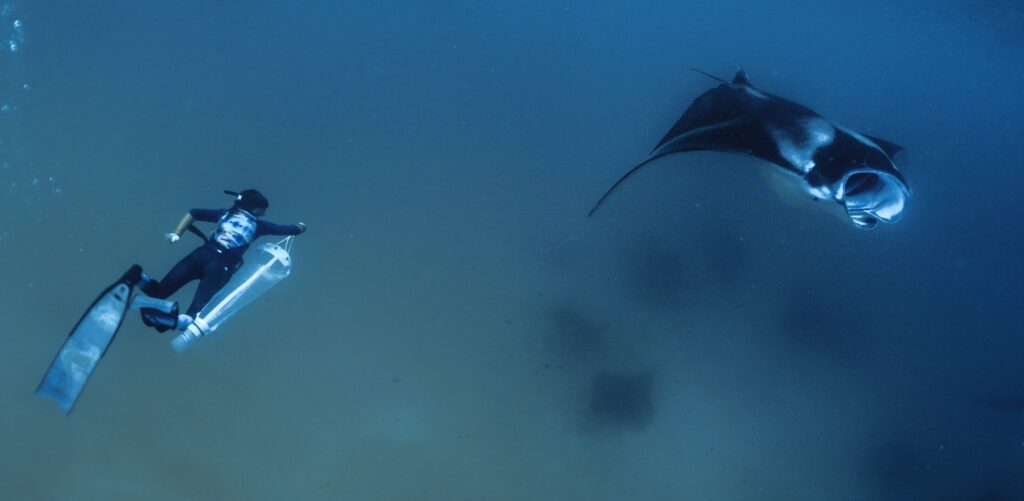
x=214 y=262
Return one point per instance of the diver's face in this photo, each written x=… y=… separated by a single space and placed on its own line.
x=259 y=211
x=871 y=196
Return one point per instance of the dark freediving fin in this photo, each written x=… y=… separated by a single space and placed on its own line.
x=140 y=301
x=160 y=319
x=88 y=342
x=161 y=314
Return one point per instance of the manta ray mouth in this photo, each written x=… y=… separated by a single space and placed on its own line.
x=870 y=196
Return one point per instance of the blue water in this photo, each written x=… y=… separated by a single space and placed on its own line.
x=454 y=326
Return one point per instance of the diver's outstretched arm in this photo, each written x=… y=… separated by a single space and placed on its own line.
x=193 y=215
x=180 y=230
x=268 y=228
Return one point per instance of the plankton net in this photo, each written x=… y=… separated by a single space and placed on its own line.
x=262 y=270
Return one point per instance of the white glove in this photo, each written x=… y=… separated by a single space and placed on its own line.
x=172 y=237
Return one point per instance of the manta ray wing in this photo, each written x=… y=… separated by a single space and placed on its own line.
x=722 y=136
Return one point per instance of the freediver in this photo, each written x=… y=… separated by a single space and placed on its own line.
x=214 y=262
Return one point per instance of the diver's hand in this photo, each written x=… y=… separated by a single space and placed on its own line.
x=302 y=228
x=172 y=237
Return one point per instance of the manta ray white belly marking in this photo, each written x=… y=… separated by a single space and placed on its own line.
x=754 y=92
x=799 y=151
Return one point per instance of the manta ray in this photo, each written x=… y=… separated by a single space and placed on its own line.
x=827 y=161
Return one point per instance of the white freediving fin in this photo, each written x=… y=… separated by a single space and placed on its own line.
x=271 y=264
x=88 y=342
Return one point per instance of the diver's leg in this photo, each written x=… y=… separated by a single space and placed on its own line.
x=147 y=284
x=216 y=273
x=188 y=269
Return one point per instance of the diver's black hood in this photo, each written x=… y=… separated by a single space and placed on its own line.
x=249 y=200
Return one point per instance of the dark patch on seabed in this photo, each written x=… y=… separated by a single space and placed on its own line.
x=726 y=254
x=623 y=400
x=579 y=345
x=659 y=273
x=669 y=272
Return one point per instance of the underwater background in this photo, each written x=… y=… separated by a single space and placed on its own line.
x=455 y=327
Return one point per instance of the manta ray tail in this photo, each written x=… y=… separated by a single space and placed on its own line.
x=709 y=75
x=620 y=181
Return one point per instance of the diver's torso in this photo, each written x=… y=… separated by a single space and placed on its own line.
x=236 y=229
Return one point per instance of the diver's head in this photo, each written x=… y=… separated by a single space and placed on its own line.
x=870 y=196
x=251 y=201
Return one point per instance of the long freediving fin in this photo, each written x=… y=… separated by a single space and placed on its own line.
x=88 y=342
